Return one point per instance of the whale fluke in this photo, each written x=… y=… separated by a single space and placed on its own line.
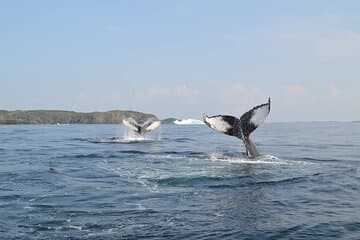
x=141 y=128
x=241 y=127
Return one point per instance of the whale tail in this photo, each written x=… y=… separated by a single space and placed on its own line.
x=141 y=128
x=241 y=127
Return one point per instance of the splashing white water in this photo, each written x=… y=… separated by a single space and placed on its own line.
x=188 y=121
x=131 y=136
x=265 y=159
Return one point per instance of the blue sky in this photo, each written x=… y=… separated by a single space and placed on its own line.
x=183 y=58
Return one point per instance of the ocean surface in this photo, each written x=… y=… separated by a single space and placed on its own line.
x=180 y=182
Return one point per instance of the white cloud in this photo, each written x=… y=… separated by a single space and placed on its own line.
x=293 y=90
x=184 y=91
x=157 y=92
x=335 y=44
x=246 y=93
x=334 y=91
x=321 y=37
x=162 y=92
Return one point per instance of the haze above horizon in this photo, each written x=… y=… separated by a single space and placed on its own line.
x=183 y=58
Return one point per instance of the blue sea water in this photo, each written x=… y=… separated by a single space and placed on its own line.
x=181 y=182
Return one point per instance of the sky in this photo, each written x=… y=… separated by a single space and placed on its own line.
x=183 y=58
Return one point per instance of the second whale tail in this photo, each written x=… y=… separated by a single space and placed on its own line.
x=241 y=127
x=141 y=128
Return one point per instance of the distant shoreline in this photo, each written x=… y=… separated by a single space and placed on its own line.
x=69 y=117
x=27 y=117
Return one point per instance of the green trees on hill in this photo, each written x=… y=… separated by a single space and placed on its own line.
x=55 y=116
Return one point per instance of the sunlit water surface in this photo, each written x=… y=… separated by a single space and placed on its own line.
x=179 y=182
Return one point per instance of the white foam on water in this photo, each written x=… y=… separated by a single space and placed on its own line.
x=29 y=208
x=130 y=136
x=265 y=159
x=105 y=140
x=62 y=124
x=140 y=207
x=129 y=176
x=136 y=139
x=188 y=121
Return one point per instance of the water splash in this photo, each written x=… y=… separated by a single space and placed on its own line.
x=265 y=159
x=131 y=136
x=188 y=121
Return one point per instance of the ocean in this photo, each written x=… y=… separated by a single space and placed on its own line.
x=180 y=182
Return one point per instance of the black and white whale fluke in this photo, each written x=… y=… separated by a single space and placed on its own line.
x=141 y=128
x=241 y=127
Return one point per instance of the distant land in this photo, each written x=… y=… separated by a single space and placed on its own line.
x=71 y=117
